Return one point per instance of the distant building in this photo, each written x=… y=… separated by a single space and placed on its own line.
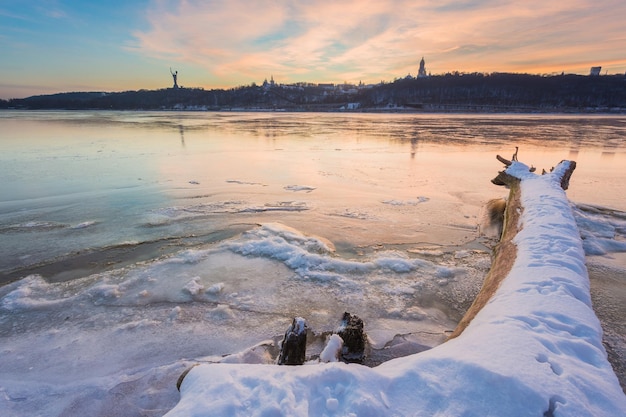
x=270 y=84
x=595 y=71
x=421 y=73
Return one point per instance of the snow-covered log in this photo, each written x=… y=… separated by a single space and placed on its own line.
x=505 y=252
x=534 y=348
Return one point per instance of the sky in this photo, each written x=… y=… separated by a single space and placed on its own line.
x=49 y=46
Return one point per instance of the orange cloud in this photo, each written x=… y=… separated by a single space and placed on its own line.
x=355 y=40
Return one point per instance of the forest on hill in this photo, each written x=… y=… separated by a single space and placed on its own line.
x=476 y=92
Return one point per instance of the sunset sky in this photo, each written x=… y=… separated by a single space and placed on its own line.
x=49 y=46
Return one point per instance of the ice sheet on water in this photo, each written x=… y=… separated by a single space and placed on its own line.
x=351 y=213
x=310 y=257
x=215 y=299
x=603 y=230
x=84 y=225
x=296 y=188
x=278 y=206
x=236 y=273
x=269 y=270
x=406 y=202
x=168 y=215
x=43 y=225
x=245 y=182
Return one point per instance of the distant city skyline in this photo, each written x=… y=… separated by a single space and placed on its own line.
x=50 y=46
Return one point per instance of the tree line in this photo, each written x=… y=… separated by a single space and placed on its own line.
x=448 y=92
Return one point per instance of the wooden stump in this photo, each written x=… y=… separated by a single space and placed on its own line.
x=293 y=348
x=354 y=339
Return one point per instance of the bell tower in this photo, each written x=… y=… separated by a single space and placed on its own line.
x=422 y=71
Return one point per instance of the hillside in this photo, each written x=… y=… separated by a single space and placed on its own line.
x=450 y=92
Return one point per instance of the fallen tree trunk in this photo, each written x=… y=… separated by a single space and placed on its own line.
x=505 y=252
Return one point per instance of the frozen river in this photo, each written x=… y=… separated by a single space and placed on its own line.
x=135 y=243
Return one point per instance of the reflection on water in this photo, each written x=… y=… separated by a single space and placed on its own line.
x=114 y=170
x=182 y=135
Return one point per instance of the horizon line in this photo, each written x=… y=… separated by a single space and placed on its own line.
x=408 y=76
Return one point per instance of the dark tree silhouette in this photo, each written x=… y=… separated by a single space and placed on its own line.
x=476 y=92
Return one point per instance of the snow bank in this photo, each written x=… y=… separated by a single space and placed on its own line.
x=534 y=350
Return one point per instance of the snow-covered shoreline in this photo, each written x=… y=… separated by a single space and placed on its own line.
x=534 y=349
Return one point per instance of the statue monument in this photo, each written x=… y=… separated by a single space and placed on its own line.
x=175 y=77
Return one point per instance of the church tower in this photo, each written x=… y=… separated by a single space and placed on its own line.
x=422 y=71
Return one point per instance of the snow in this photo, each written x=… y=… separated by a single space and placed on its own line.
x=332 y=350
x=535 y=349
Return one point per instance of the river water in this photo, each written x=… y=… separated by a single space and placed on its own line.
x=135 y=243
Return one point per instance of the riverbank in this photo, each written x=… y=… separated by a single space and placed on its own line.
x=458 y=92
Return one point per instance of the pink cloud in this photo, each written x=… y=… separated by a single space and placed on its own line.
x=328 y=40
